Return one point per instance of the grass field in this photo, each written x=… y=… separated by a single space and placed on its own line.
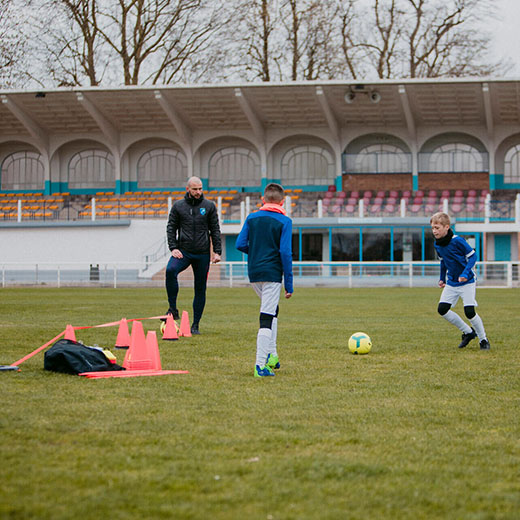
x=417 y=429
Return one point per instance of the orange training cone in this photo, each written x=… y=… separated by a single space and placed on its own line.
x=170 y=330
x=153 y=350
x=123 y=336
x=185 y=325
x=137 y=357
x=69 y=333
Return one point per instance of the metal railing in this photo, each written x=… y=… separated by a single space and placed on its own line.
x=232 y=274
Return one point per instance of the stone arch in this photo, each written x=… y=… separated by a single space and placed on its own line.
x=21 y=167
x=304 y=161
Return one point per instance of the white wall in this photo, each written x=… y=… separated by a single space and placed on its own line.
x=92 y=244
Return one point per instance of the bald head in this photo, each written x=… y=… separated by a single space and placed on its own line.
x=194 y=187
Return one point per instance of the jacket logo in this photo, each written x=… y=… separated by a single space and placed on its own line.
x=202 y=211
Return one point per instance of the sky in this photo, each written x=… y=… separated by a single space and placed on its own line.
x=507 y=31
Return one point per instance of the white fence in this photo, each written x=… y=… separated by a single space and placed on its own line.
x=233 y=274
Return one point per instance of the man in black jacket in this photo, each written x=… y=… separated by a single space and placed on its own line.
x=192 y=225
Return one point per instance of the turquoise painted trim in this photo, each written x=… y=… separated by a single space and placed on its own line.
x=47 y=188
x=360 y=244
x=330 y=245
x=339 y=183
x=320 y=187
x=205 y=184
x=260 y=189
x=391 y=244
x=232 y=253
x=496 y=182
x=58 y=187
x=300 y=245
x=22 y=191
x=492 y=181
x=415 y=182
x=118 y=187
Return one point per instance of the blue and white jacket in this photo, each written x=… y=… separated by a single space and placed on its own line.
x=266 y=238
x=457 y=258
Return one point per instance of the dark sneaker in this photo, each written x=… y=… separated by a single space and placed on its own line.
x=467 y=337
x=173 y=312
x=484 y=344
x=195 y=329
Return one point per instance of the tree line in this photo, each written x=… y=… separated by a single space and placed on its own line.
x=52 y=43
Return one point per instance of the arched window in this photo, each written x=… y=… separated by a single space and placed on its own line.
x=457 y=157
x=512 y=165
x=307 y=165
x=22 y=171
x=234 y=166
x=162 y=167
x=380 y=158
x=91 y=169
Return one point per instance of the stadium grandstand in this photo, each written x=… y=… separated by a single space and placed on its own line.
x=89 y=174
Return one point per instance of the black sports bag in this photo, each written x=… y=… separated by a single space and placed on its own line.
x=71 y=357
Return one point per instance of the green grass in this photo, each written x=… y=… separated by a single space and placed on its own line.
x=418 y=429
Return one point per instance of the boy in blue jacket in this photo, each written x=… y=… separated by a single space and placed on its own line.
x=458 y=280
x=266 y=238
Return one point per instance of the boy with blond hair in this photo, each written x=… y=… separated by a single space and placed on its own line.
x=457 y=280
x=266 y=238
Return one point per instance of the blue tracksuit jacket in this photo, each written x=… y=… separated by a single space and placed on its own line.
x=266 y=238
x=457 y=259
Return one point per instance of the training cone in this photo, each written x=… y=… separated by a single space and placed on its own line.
x=170 y=330
x=137 y=356
x=123 y=336
x=69 y=333
x=185 y=325
x=153 y=350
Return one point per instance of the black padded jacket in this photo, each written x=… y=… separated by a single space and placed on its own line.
x=191 y=225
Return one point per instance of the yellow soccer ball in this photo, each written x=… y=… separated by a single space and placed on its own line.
x=359 y=343
x=163 y=326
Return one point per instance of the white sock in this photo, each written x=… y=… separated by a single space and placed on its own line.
x=263 y=340
x=456 y=320
x=476 y=321
x=274 y=334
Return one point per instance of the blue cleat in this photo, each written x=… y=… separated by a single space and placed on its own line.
x=264 y=371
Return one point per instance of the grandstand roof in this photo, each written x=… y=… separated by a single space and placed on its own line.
x=262 y=106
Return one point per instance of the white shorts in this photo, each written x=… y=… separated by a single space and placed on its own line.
x=467 y=292
x=269 y=293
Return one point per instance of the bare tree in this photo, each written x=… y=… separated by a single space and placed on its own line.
x=158 y=36
x=427 y=38
x=12 y=43
x=348 y=44
x=441 y=39
x=255 y=25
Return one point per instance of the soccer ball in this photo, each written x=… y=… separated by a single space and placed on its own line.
x=163 y=327
x=359 y=343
